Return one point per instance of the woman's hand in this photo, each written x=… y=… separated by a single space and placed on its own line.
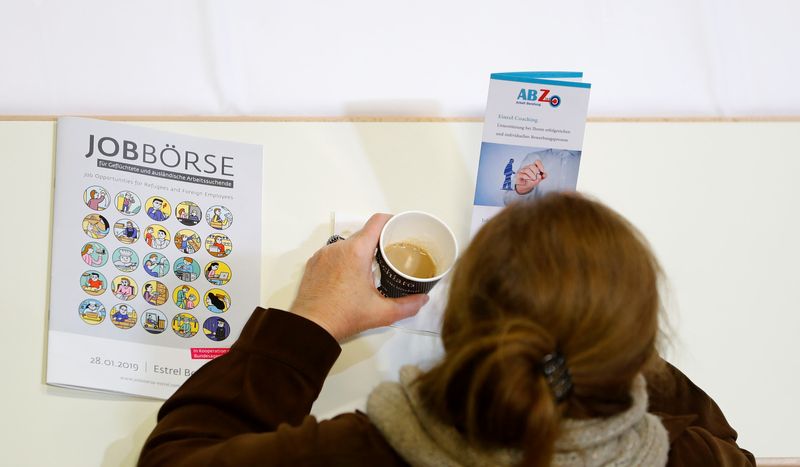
x=338 y=293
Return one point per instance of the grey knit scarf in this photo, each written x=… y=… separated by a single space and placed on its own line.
x=633 y=437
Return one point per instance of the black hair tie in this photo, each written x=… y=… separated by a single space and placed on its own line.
x=554 y=367
x=333 y=239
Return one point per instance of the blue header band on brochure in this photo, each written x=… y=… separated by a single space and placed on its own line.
x=537 y=74
x=551 y=82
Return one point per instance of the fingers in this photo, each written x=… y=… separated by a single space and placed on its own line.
x=372 y=229
x=529 y=173
x=401 y=308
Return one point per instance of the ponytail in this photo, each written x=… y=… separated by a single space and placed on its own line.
x=492 y=388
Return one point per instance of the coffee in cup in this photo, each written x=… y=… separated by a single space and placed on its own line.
x=411 y=259
x=415 y=251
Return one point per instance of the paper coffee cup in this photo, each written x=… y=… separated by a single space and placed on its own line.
x=424 y=231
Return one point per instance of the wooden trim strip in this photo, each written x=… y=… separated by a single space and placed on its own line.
x=385 y=119
x=778 y=462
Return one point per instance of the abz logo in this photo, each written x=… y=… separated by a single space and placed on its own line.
x=534 y=96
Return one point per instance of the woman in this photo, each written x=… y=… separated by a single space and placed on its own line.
x=124 y=290
x=216 y=303
x=211 y=273
x=96 y=226
x=551 y=323
x=96 y=199
x=89 y=257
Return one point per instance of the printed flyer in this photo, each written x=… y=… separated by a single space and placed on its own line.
x=532 y=139
x=155 y=255
x=531 y=146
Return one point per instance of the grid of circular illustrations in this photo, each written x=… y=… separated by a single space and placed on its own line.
x=155 y=293
x=185 y=297
x=94 y=254
x=123 y=316
x=128 y=203
x=126 y=231
x=154 y=321
x=216 y=328
x=185 y=325
x=124 y=288
x=96 y=197
x=125 y=259
x=219 y=217
x=186 y=269
x=217 y=272
x=217 y=301
x=187 y=241
x=95 y=226
x=93 y=282
x=156 y=236
x=155 y=264
x=157 y=208
x=188 y=213
x=92 y=311
x=219 y=245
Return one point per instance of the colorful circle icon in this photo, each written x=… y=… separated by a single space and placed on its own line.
x=185 y=325
x=156 y=236
x=125 y=259
x=128 y=203
x=123 y=316
x=217 y=272
x=219 y=217
x=93 y=282
x=218 y=245
x=187 y=241
x=154 y=321
x=155 y=264
x=126 y=231
x=95 y=226
x=217 y=300
x=188 y=213
x=157 y=208
x=92 y=311
x=94 y=254
x=155 y=293
x=96 y=197
x=216 y=328
x=185 y=297
x=124 y=288
x=186 y=269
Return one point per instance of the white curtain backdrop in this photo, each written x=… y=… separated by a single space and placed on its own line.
x=668 y=58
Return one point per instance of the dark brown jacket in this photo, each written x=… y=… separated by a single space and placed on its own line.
x=250 y=407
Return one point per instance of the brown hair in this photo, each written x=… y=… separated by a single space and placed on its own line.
x=564 y=274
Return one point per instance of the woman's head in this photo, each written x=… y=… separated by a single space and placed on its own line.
x=560 y=274
x=217 y=300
